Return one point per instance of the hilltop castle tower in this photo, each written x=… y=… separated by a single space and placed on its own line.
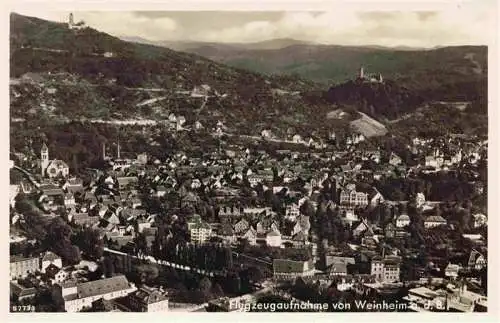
x=44 y=155
x=370 y=77
x=73 y=25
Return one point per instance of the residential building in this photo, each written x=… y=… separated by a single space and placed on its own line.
x=476 y=260
x=273 y=238
x=452 y=270
x=350 y=197
x=161 y=191
x=480 y=220
x=434 y=221
x=250 y=235
x=227 y=233
x=80 y=295
x=402 y=221
x=50 y=258
x=390 y=230
x=241 y=226
x=395 y=160
x=142 y=159
x=420 y=199
x=69 y=200
x=230 y=211
x=350 y=216
x=386 y=269
x=286 y=269
x=147 y=299
x=338 y=269
x=21 y=292
x=20 y=267
x=377 y=198
x=292 y=211
x=200 y=231
x=84 y=220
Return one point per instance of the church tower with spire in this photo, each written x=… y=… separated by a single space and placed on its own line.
x=44 y=158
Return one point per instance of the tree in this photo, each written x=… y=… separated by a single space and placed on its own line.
x=307 y=209
x=255 y=274
x=141 y=243
x=147 y=272
x=90 y=243
x=204 y=290
x=217 y=290
x=108 y=267
x=58 y=240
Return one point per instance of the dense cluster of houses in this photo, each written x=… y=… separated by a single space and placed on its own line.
x=111 y=203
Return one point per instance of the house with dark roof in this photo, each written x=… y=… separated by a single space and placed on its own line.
x=85 y=220
x=330 y=260
x=476 y=261
x=230 y=211
x=51 y=190
x=21 y=292
x=227 y=233
x=286 y=269
x=250 y=235
x=390 y=230
x=241 y=226
x=127 y=181
x=50 y=258
x=338 y=269
x=145 y=299
x=299 y=239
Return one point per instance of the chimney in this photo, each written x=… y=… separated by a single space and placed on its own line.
x=104 y=151
x=118 y=151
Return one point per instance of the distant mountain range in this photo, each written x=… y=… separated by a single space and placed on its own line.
x=271 y=44
x=335 y=64
x=193 y=45
x=285 y=86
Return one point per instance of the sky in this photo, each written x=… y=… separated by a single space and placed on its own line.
x=459 y=24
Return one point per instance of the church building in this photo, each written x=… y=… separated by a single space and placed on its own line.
x=52 y=168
